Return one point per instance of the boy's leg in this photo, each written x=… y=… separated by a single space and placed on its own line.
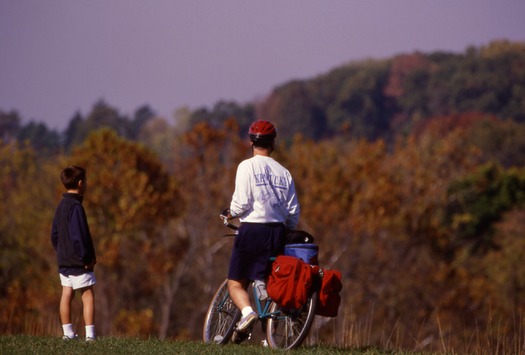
x=65 y=312
x=88 y=302
x=65 y=304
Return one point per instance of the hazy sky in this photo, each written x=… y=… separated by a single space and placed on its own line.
x=58 y=57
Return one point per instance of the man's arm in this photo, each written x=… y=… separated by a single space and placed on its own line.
x=293 y=208
x=241 y=199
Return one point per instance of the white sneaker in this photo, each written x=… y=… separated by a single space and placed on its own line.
x=246 y=322
x=67 y=337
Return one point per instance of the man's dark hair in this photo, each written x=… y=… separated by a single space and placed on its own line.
x=71 y=175
x=264 y=142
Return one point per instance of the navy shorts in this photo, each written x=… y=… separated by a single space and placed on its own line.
x=252 y=249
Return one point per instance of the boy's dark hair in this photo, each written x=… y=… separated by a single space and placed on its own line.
x=71 y=175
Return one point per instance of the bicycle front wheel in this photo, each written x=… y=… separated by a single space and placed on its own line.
x=287 y=330
x=221 y=317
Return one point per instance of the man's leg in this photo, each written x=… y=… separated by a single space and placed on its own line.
x=238 y=294
x=241 y=299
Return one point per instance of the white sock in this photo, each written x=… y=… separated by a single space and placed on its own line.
x=90 y=331
x=246 y=310
x=68 y=330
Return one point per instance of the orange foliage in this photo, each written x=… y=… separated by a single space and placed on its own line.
x=377 y=213
x=402 y=66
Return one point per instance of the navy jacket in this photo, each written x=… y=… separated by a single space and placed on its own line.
x=71 y=237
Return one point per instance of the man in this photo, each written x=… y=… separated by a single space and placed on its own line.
x=266 y=204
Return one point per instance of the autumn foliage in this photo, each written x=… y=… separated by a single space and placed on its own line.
x=426 y=223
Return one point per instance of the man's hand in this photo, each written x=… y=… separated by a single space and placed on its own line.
x=225 y=216
x=225 y=213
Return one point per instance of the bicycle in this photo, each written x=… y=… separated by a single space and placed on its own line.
x=284 y=329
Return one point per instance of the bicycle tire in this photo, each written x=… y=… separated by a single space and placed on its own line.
x=287 y=330
x=221 y=317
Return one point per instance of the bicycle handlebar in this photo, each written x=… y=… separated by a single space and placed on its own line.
x=226 y=221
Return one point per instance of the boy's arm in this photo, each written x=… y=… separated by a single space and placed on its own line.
x=54 y=234
x=81 y=237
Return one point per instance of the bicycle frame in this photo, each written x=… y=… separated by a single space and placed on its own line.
x=263 y=307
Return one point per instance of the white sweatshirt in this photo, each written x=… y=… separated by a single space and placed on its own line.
x=264 y=193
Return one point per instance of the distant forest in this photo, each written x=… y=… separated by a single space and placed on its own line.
x=410 y=173
x=372 y=99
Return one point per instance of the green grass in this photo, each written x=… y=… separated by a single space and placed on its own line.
x=24 y=344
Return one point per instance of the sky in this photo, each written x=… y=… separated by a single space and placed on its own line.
x=59 y=57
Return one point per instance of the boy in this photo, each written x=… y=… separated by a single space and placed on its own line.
x=76 y=258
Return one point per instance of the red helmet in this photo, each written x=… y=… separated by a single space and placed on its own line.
x=262 y=130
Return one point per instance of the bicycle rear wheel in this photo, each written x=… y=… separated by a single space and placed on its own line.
x=221 y=317
x=287 y=330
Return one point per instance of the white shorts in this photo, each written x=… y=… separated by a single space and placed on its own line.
x=78 y=281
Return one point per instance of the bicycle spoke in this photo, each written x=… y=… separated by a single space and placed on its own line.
x=220 y=318
x=287 y=330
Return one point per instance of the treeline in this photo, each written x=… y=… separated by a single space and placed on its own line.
x=372 y=99
x=426 y=221
x=385 y=98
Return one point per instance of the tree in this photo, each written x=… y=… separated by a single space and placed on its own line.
x=70 y=134
x=9 y=125
x=102 y=116
x=159 y=136
x=223 y=111
x=204 y=160
x=140 y=119
x=130 y=202
x=40 y=137
x=503 y=268
x=477 y=201
x=362 y=103
x=293 y=109
x=28 y=276
x=501 y=141
x=377 y=215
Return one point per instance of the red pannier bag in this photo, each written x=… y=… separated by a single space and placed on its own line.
x=289 y=282
x=329 y=297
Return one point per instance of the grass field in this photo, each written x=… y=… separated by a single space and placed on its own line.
x=24 y=344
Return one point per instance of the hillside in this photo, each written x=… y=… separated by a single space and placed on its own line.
x=410 y=172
